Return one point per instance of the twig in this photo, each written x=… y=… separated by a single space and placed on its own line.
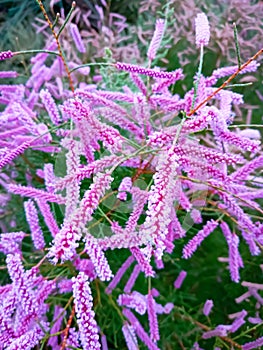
x=226 y=82
x=58 y=44
x=66 y=331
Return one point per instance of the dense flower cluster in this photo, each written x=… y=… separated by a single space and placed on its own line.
x=87 y=325
x=139 y=166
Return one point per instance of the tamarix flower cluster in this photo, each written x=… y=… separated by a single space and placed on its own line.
x=106 y=185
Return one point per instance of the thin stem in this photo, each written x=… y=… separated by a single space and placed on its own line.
x=49 y=130
x=36 y=51
x=222 y=190
x=238 y=85
x=73 y=6
x=41 y=261
x=179 y=131
x=58 y=44
x=91 y=64
x=56 y=20
x=149 y=284
x=237 y=45
x=138 y=152
x=66 y=331
x=198 y=75
x=246 y=125
x=104 y=215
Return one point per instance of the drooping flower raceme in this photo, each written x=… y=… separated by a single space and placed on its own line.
x=32 y=219
x=192 y=245
x=160 y=201
x=85 y=315
x=66 y=241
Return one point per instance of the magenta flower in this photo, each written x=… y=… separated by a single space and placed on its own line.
x=48 y=217
x=139 y=83
x=116 y=279
x=192 y=245
x=143 y=258
x=8 y=74
x=73 y=164
x=139 y=199
x=219 y=331
x=226 y=71
x=87 y=171
x=4 y=55
x=28 y=340
x=66 y=241
x=20 y=284
x=85 y=315
x=132 y=279
x=58 y=316
x=28 y=191
x=135 y=301
x=73 y=339
x=10 y=242
x=14 y=153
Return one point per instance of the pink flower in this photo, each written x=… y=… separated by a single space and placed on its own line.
x=125 y=186
x=134 y=301
x=33 y=222
x=156 y=39
x=130 y=337
x=133 y=277
x=139 y=330
x=50 y=106
x=152 y=316
x=85 y=315
x=254 y=344
x=145 y=71
x=179 y=281
x=202 y=30
x=161 y=197
x=97 y=257
x=74 y=31
x=20 y=282
x=116 y=279
x=234 y=257
x=14 y=153
x=192 y=245
x=8 y=74
x=28 y=191
x=208 y=307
